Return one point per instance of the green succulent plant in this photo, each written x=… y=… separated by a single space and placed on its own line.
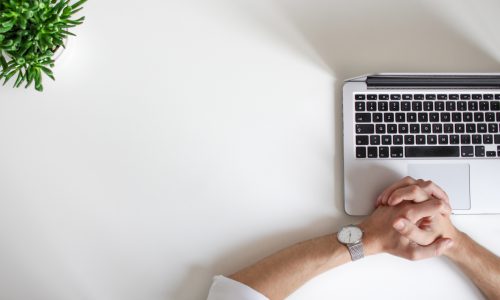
x=30 y=32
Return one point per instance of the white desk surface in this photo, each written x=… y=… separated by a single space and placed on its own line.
x=184 y=139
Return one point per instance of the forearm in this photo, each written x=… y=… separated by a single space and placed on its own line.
x=479 y=264
x=280 y=274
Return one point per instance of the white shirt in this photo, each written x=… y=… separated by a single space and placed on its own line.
x=224 y=288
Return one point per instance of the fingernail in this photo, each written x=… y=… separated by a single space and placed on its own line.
x=399 y=225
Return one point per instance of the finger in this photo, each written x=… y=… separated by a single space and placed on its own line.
x=429 y=209
x=382 y=198
x=437 y=248
x=433 y=190
x=414 y=233
x=408 y=193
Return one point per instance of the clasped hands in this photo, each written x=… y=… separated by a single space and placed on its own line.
x=411 y=220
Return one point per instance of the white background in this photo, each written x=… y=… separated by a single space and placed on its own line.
x=184 y=139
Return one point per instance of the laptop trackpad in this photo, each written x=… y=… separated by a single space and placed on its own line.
x=453 y=178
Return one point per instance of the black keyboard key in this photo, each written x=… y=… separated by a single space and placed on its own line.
x=470 y=128
x=372 y=97
x=361 y=140
x=400 y=117
x=437 y=128
x=476 y=139
x=371 y=106
x=465 y=139
x=432 y=151
x=359 y=106
x=488 y=96
x=416 y=106
x=405 y=106
x=420 y=139
x=396 y=152
x=495 y=105
x=488 y=139
x=392 y=128
x=383 y=106
x=461 y=106
x=459 y=128
x=425 y=128
x=450 y=106
x=448 y=128
x=365 y=128
x=497 y=96
x=428 y=106
x=374 y=139
x=493 y=128
x=409 y=139
x=380 y=128
x=418 y=97
x=403 y=128
x=372 y=152
x=456 y=117
x=360 y=152
x=477 y=96
x=496 y=138
x=394 y=106
x=377 y=117
x=498 y=117
x=442 y=96
x=482 y=128
x=407 y=97
x=395 y=97
x=443 y=139
x=389 y=117
x=397 y=139
x=360 y=97
x=478 y=117
x=439 y=105
x=383 y=152
x=430 y=97
x=489 y=117
x=467 y=151
x=414 y=128
x=434 y=117
x=454 y=139
x=411 y=117
x=383 y=97
x=423 y=117
x=386 y=140
x=453 y=97
x=484 y=105
x=473 y=105
x=479 y=151
x=491 y=154
x=363 y=117
x=445 y=117
x=468 y=117
x=432 y=139
x=465 y=96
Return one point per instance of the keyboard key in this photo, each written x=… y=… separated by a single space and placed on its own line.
x=411 y=117
x=407 y=97
x=360 y=152
x=383 y=106
x=416 y=106
x=497 y=96
x=432 y=151
x=495 y=105
x=442 y=96
x=395 y=97
x=489 y=117
x=473 y=105
x=365 y=128
x=428 y=106
x=386 y=140
x=423 y=117
x=467 y=151
x=359 y=97
x=394 y=106
x=491 y=154
x=437 y=128
x=397 y=139
x=425 y=128
x=405 y=106
x=431 y=139
x=488 y=139
x=420 y=139
x=418 y=97
x=377 y=117
x=372 y=97
x=477 y=96
x=380 y=128
x=389 y=117
x=454 y=139
x=482 y=128
x=479 y=117
x=496 y=138
x=361 y=140
x=371 y=106
x=396 y=152
x=439 y=105
x=414 y=128
x=453 y=97
x=409 y=139
x=443 y=139
x=448 y=128
x=363 y=117
x=465 y=96
x=403 y=128
x=488 y=96
x=461 y=106
x=470 y=128
x=392 y=128
x=465 y=139
x=383 y=97
x=484 y=105
x=445 y=117
x=359 y=106
x=459 y=128
x=468 y=117
x=383 y=152
x=450 y=106
x=434 y=117
x=493 y=128
x=476 y=139
x=400 y=117
x=498 y=117
x=372 y=152
x=479 y=151
x=456 y=117
x=374 y=139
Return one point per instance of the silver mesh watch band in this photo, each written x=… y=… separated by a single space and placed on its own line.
x=356 y=251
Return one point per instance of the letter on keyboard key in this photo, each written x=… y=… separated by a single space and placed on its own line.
x=365 y=128
x=432 y=151
x=396 y=152
x=360 y=152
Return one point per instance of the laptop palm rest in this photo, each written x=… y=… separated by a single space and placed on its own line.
x=453 y=178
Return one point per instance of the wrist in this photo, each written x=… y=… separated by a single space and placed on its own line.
x=456 y=249
x=371 y=240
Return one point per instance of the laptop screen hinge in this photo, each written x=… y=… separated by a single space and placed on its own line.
x=433 y=81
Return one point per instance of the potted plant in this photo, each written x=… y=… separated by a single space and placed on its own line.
x=31 y=31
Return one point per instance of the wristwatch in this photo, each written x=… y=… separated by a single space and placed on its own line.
x=351 y=236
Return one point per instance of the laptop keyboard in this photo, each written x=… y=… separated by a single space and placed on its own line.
x=422 y=125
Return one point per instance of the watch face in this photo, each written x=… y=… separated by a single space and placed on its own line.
x=350 y=235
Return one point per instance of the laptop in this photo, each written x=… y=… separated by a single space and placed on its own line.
x=439 y=127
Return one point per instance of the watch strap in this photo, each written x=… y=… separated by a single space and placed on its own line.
x=356 y=251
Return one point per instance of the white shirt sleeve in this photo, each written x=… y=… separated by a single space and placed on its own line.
x=224 y=288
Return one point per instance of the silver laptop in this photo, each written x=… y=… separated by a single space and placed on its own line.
x=439 y=127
